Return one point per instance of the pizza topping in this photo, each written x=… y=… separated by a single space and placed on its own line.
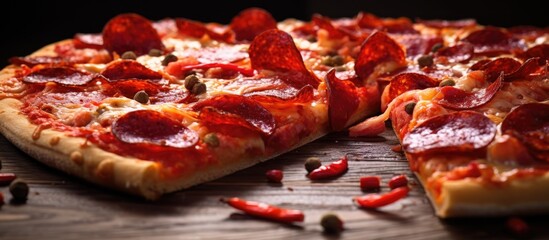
x=263 y=210
x=334 y=169
x=541 y=51
x=274 y=175
x=180 y=70
x=409 y=107
x=198 y=88
x=129 y=55
x=398 y=181
x=61 y=75
x=131 y=32
x=196 y=29
x=331 y=223
x=490 y=41
x=342 y=100
x=463 y=131
x=190 y=81
x=275 y=50
x=425 y=61
x=379 y=53
x=508 y=150
x=494 y=68
x=374 y=200
x=251 y=22
x=255 y=115
x=405 y=82
x=368 y=183
x=531 y=68
x=46 y=60
x=93 y=41
x=455 y=98
x=155 y=52
x=148 y=126
x=312 y=163
x=530 y=123
x=460 y=53
x=128 y=69
x=211 y=139
x=462 y=23
x=141 y=97
x=168 y=59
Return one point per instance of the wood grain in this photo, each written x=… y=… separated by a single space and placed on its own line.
x=64 y=207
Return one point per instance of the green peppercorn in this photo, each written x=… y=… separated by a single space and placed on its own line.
x=129 y=55
x=425 y=61
x=312 y=163
x=447 y=82
x=155 y=52
x=331 y=223
x=436 y=47
x=199 y=88
x=168 y=59
x=211 y=139
x=333 y=61
x=190 y=81
x=19 y=190
x=311 y=38
x=409 y=108
x=141 y=97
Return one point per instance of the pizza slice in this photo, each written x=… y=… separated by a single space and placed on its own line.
x=473 y=120
x=154 y=107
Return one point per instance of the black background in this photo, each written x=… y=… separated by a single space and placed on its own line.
x=26 y=26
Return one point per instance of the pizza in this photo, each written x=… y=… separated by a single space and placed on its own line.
x=152 y=107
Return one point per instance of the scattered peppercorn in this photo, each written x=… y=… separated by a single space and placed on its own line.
x=190 y=81
x=447 y=82
x=19 y=190
x=211 y=139
x=168 y=59
x=199 y=88
x=331 y=223
x=129 y=55
x=312 y=163
x=409 y=108
x=141 y=97
x=425 y=61
x=155 y=52
x=274 y=175
x=436 y=47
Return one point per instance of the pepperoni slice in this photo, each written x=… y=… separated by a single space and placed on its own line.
x=409 y=81
x=462 y=23
x=251 y=22
x=342 y=100
x=275 y=50
x=455 y=98
x=46 y=60
x=494 y=68
x=464 y=131
x=416 y=44
x=541 y=51
x=250 y=111
x=490 y=41
x=326 y=24
x=196 y=29
x=128 y=69
x=378 y=49
x=530 y=122
x=131 y=32
x=283 y=95
x=152 y=127
x=93 y=41
x=460 y=53
x=62 y=75
x=128 y=88
x=530 y=68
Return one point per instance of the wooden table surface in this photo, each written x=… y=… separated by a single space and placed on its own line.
x=64 y=207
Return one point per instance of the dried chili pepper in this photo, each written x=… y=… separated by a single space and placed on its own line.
x=332 y=170
x=379 y=200
x=370 y=183
x=266 y=211
x=274 y=175
x=398 y=181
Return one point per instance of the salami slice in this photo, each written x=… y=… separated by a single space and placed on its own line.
x=531 y=68
x=378 y=49
x=152 y=127
x=490 y=41
x=275 y=50
x=131 y=32
x=409 y=81
x=342 y=101
x=462 y=132
x=129 y=69
x=61 y=75
x=494 y=68
x=529 y=122
x=455 y=98
x=460 y=53
x=541 y=51
x=93 y=41
x=251 y=22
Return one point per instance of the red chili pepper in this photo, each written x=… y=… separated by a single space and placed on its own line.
x=228 y=66
x=398 y=181
x=274 y=175
x=370 y=182
x=6 y=178
x=266 y=211
x=379 y=200
x=335 y=169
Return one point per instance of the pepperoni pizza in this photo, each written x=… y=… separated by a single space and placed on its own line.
x=151 y=107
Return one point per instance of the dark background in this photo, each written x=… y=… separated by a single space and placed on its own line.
x=26 y=26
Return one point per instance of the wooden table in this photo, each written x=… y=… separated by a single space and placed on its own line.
x=64 y=207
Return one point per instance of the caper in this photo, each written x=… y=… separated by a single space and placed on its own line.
x=129 y=55
x=436 y=47
x=409 y=108
x=425 y=61
x=155 y=52
x=19 y=190
x=333 y=61
x=190 y=81
x=199 y=88
x=311 y=38
x=168 y=59
x=211 y=139
x=331 y=223
x=141 y=97
x=312 y=163
x=447 y=82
